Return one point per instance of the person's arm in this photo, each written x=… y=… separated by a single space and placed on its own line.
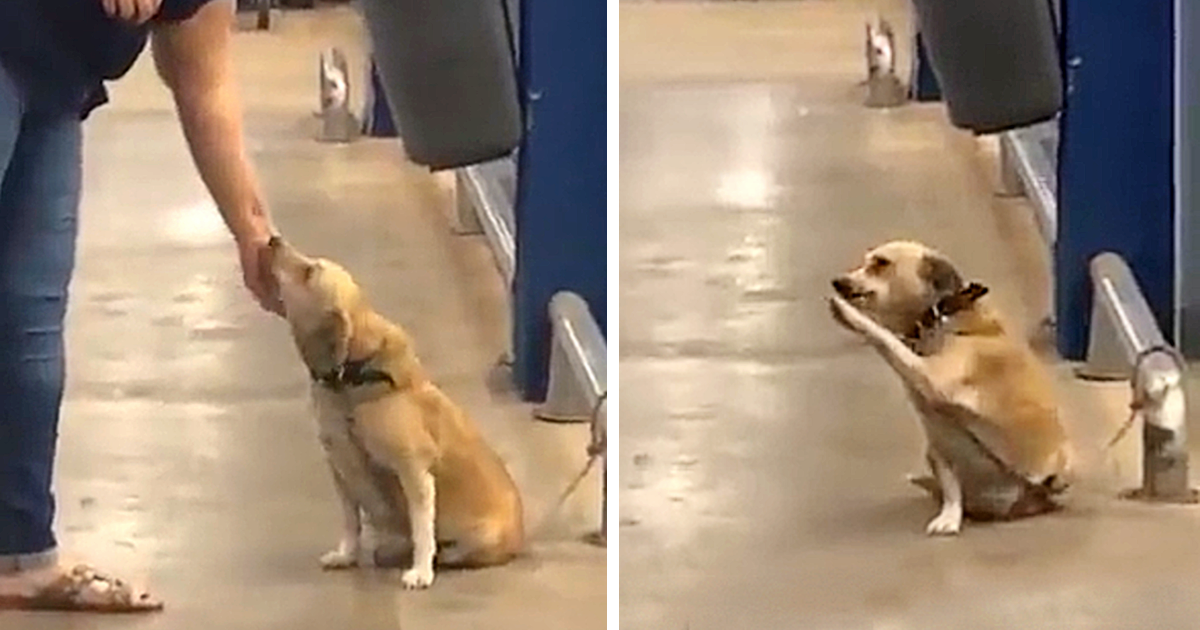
x=194 y=58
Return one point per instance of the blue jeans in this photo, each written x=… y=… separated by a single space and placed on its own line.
x=40 y=172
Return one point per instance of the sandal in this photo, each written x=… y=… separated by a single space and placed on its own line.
x=84 y=589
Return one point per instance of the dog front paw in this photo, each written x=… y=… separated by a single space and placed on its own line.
x=835 y=310
x=344 y=557
x=417 y=578
x=948 y=522
x=845 y=314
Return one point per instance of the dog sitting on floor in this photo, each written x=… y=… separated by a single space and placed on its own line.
x=994 y=442
x=401 y=451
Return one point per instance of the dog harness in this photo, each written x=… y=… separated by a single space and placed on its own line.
x=353 y=374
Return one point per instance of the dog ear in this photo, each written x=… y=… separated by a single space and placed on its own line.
x=940 y=275
x=327 y=345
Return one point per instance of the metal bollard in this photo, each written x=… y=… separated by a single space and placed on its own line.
x=884 y=88
x=337 y=121
x=482 y=194
x=578 y=389
x=577 y=359
x=1126 y=342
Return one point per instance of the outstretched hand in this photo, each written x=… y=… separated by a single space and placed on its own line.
x=256 y=273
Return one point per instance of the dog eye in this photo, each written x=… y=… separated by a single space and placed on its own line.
x=309 y=272
x=879 y=264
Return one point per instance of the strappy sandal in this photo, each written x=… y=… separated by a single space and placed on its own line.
x=84 y=589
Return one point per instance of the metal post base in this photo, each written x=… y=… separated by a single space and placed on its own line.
x=884 y=87
x=571 y=390
x=1106 y=357
x=566 y=401
x=1191 y=497
x=338 y=124
x=885 y=92
x=256 y=15
x=1158 y=387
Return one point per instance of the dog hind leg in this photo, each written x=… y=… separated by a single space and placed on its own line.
x=948 y=521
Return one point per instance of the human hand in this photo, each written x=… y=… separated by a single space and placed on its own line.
x=256 y=272
x=136 y=11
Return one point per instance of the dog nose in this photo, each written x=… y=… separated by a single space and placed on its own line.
x=274 y=241
x=842 y=286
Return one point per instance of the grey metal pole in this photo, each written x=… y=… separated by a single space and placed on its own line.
x=1126 y=342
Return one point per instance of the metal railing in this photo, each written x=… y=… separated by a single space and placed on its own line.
x=1126 y=342
x=485 y=206
x=578 y=388
x=1028 y=167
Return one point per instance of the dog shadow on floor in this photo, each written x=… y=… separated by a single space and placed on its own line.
x=907 y=512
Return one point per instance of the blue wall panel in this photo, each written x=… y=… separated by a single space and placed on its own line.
x=1115 y=156
x=561 y=209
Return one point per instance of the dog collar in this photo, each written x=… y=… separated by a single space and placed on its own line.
x=946 y=307
x=353 y=374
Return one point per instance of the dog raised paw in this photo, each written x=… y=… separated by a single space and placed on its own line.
x=415 y=578
x=847 y=315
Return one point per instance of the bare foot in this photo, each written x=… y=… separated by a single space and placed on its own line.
x=78 y=588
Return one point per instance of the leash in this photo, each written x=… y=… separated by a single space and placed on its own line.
x=597 y=447
x=1135 y=409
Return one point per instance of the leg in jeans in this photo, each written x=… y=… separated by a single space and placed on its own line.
x=39 y=199
x=40 y=162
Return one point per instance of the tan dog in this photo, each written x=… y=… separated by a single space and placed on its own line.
x=995 y=445
x=399 y=448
